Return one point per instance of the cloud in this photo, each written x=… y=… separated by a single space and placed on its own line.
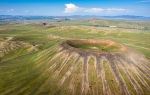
x=72 y=8
x=26 y=11
x=10 y=10
x=93 y=10
x=7 y=10
x=145 y=1
x=107 y=10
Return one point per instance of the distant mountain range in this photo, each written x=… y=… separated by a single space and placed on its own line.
x=128 y=17
x=20 y=18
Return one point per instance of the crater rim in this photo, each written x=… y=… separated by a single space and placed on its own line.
x=93 y=46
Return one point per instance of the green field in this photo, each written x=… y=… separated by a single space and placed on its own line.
x=26 y=70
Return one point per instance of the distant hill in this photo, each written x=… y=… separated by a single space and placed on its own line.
x=7 y=18
x=132 y=17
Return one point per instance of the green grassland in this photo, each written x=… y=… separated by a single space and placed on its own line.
x=23 y=72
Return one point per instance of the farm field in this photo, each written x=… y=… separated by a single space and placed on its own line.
x=75 y=57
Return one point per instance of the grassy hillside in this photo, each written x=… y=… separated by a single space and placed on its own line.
x=29 y=70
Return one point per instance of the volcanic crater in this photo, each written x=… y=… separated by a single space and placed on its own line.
x=93 y=47
x=126 y=65
x=98 y=67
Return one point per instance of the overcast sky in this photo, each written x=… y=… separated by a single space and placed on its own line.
x=75 y=7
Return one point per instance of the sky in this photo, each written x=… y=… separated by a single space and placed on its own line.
x=75 y=7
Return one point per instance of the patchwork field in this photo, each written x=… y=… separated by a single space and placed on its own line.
x=81 y=57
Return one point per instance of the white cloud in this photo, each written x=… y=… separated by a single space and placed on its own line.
x=26 y=11
x=93 y=10
x=72 y=8
x=7 y=10
x=99 y=10
x=116 y=9
x=10 y=10
x=145 y=1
